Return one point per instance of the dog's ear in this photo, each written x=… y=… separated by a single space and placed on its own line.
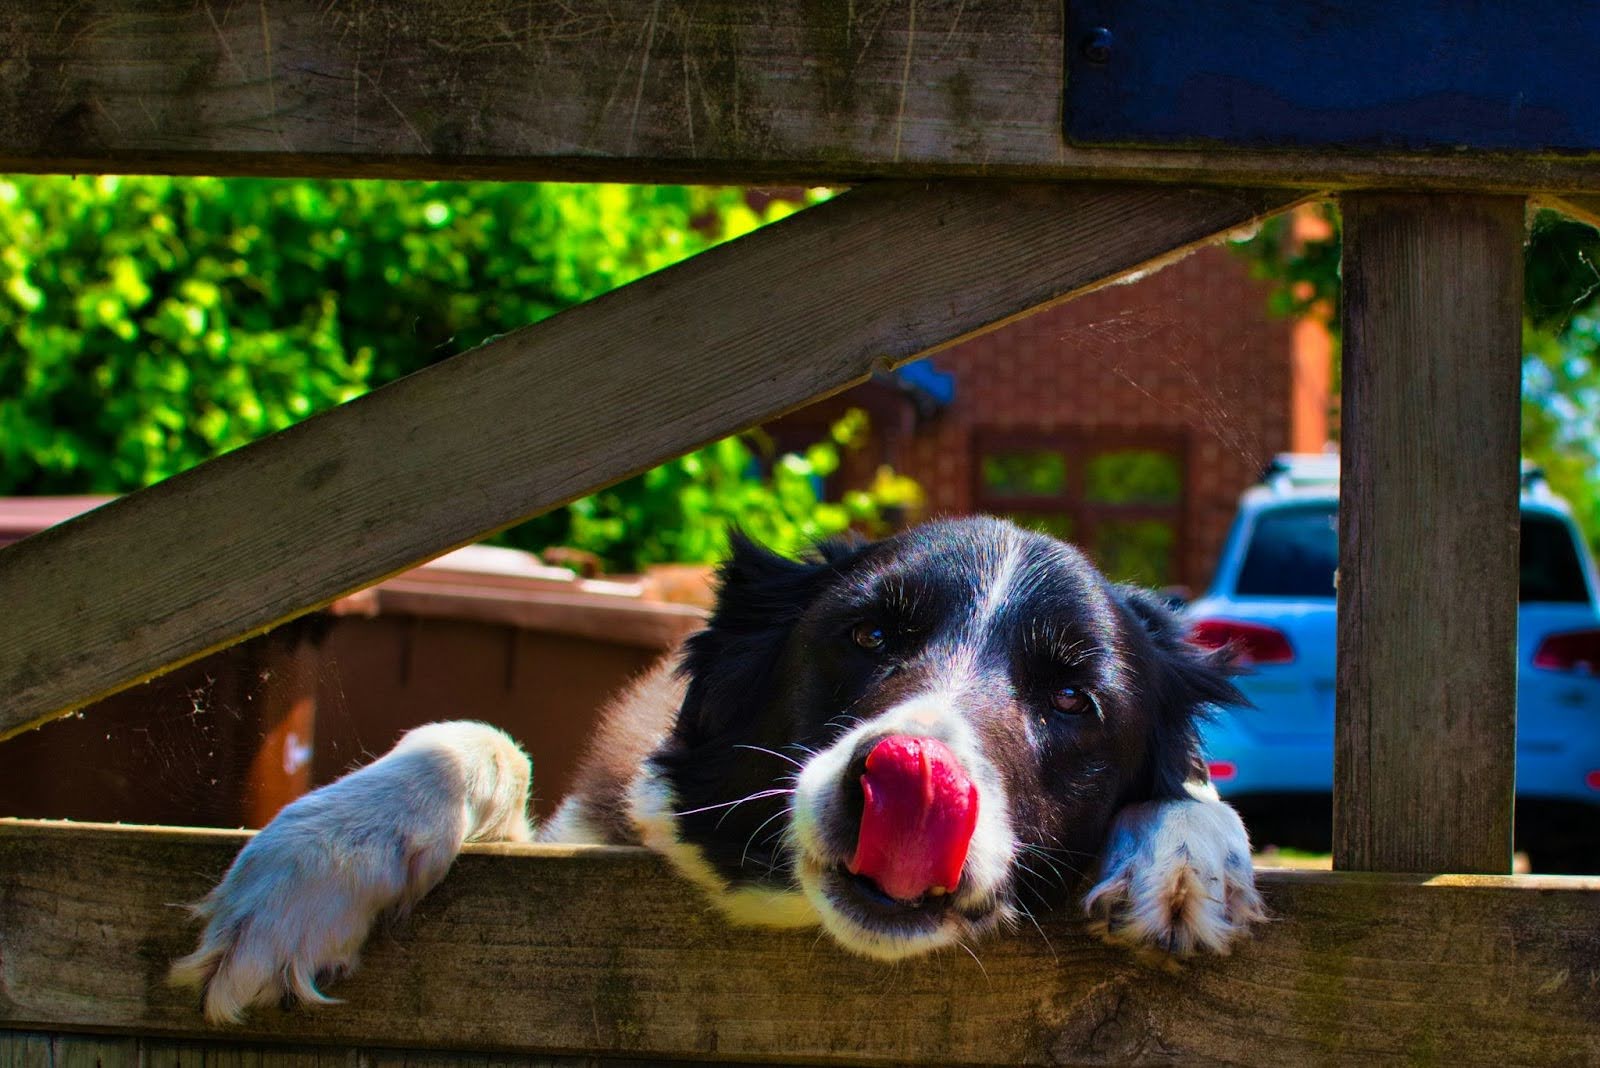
x=760 y=596
x=1183 y=683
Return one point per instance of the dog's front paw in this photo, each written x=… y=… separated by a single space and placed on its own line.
x=1176 y=878
x=296 y=905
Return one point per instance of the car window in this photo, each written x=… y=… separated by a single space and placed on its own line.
x=1294 y=552
x=1550 y=567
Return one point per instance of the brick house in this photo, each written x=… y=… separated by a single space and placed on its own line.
x=1128 y=420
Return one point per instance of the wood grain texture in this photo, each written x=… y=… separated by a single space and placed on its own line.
x=1582 y=208
x=40 y=1049
x=628 y=90
x=726 y=340
x=546 y=950
x=1425 y=735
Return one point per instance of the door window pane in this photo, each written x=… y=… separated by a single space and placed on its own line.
x=1024 y=473
x=1133 y=476
x=1055 y=524
x=1136 y=550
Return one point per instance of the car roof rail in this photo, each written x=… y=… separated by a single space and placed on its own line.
x=1296 y=470
x=1536 y=484
x=1288 y=471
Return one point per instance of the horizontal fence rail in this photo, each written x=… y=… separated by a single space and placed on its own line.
x=648 y=90
x=37 y=1049
x=562 y=950
x=721 y=342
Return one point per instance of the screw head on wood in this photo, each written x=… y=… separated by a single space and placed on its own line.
x=1096 y=47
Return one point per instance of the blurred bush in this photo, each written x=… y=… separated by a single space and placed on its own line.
x=149 y=323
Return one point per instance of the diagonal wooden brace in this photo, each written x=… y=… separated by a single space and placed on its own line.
x=722 y=342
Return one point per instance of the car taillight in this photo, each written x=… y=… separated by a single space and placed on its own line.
x=1574 y=650
x=1252 y=643
x=1592 y=780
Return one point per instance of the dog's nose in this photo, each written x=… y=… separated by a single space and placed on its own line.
x=850 y=788
x=851 y=798
x=930 y=723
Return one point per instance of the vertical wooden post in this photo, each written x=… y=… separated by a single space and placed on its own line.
x=1424 y=762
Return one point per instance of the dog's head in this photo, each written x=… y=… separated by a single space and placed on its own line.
x=922 y=734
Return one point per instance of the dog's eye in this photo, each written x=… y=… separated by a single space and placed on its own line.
x=868 y=636
x=1073 y=702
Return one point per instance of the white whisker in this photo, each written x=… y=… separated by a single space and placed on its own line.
x=1047 y=944
x=769 y=752
x=758 y=795
x=781 y=812
x=975 y=959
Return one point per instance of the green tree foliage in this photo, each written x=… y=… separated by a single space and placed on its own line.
x=1561 y=338
x=147 y=324
x=681 y=510
x=1561 y=412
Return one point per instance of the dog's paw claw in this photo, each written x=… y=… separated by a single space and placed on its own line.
x=1176 y=881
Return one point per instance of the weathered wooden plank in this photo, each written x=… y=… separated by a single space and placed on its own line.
x=726 y=340
x=1425 y=736
x=545 y=950
x=40 y=1049
x=76 y=1051
x=25 y=1049
x=640 y=90
x=1583 y=208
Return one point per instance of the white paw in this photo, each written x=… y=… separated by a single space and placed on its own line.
x=295 y=906
x=1176 y=878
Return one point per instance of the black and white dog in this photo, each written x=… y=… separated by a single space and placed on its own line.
x=908 y=742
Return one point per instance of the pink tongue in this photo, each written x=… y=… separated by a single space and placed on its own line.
x=918 y=819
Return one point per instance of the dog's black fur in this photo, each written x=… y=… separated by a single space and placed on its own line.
x=776 y=668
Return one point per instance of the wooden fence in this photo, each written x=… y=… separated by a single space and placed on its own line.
x=979 y=209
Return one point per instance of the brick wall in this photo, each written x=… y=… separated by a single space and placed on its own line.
x=1189 y=350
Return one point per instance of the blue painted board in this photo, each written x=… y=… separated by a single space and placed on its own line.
x=1427 y=76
